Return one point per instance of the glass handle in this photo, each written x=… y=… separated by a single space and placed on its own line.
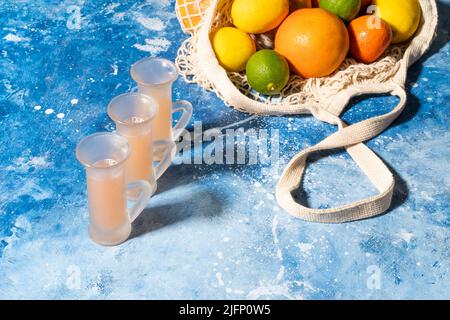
x=186 y=108
x=142 y=201
x=170 y=149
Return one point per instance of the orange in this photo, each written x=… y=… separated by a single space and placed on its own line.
x=314 y=41
x=190 y=12
x=369 y=38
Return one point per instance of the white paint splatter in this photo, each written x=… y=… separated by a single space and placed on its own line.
x=49 y=111
x=118 y=16
x=154 y=46
x=60 y=115
x=74 y=102
x=23 y=164
x=270 y=290
x=280 y=274
x=37 y=107
x=110 y=8
x=305 y=247
x=275 y=237
x=219 y=279
x=14 y=38
x=33 y=189
x=115 y=69
x=220 y=255
x=154 y=24
x=21 y=226
x=226 y=239
x=406 y=236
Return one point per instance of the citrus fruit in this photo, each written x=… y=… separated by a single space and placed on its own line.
x=259 y=16
x=299 y=4
x=190 y=12
x=347 y=10
x=403 y=17
x=267 y=72
x=314 y=41
x=233 y=48
x=367 y=42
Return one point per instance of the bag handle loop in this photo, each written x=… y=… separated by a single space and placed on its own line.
x=351 y=138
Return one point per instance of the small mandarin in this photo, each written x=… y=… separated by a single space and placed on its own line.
x=369 y=38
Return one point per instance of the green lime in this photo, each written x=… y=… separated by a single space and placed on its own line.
x=267 y=72
x=347 y=10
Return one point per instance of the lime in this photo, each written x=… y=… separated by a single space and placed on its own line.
x=233 y=48
x=267 y=72
x=347 y=10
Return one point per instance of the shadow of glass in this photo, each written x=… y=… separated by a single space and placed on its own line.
x=199 y=205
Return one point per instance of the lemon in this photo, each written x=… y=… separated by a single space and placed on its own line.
x=259 y=16
x=233 y=48
x=267 y=72
x=403 y=17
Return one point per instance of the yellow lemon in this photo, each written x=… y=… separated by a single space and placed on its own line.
x=259 y=16
x=233 y=48
x=403 y=17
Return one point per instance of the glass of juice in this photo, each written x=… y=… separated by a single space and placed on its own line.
x=104 y=156
x=133 y=114
x=155 y=77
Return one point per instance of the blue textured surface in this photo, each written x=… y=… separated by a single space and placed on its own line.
x=212 y=231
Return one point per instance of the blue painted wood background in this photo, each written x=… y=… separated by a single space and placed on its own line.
x=211 y=231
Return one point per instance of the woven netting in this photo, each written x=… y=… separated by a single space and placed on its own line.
x=299 y=91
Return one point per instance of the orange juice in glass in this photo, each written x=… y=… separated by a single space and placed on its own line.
x=104 y=156
x=133 y=114
x=155 y=77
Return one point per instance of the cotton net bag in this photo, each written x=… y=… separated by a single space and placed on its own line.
x=324 y=98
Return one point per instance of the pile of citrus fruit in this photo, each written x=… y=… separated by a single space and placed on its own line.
x=311 y=37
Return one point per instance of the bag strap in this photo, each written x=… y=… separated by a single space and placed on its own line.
x=350 y=138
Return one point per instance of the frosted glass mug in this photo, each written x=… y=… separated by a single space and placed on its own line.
x=104 y=156
x=133 y=114
x=155 y=77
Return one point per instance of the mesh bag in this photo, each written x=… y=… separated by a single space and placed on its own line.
x=324 y=98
